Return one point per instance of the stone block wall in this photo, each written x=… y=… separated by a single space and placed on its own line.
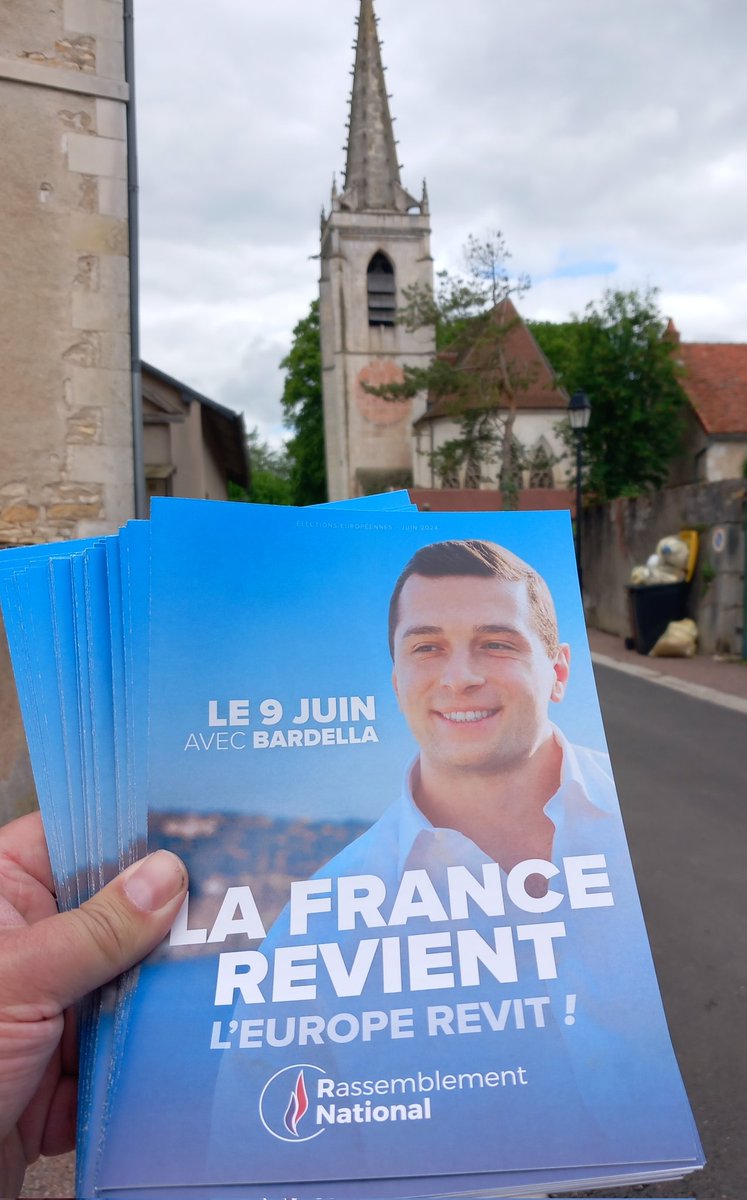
x=66 y=460
x=618 y=536
x=65 y=407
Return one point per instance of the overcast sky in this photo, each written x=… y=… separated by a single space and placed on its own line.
x=606 y=139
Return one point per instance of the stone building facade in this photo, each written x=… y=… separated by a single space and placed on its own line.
x=66 y=445
x=375 y=243
x=191 y=445
x=66 y=449
x=714 y=379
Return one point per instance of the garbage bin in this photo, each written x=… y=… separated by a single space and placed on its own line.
x=652 y=607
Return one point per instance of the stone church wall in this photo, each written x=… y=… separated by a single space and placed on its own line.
x=367 y=436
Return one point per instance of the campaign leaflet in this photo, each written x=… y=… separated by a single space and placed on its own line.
x=413 y=948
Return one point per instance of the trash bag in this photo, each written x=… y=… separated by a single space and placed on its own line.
x=679 y=640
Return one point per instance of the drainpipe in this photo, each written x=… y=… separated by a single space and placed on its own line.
x=138 y=455
x=744 y=573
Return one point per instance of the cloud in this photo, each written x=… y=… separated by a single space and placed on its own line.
x=605 y=140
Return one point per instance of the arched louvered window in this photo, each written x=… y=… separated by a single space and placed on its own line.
x=381 y=292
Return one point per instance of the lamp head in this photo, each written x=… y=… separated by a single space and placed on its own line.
x=579 y=411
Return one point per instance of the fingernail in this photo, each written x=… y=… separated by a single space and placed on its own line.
x=152 y=883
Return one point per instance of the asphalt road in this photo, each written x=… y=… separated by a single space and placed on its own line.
x=681 y=771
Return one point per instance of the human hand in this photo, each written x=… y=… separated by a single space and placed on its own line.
x=48 y=960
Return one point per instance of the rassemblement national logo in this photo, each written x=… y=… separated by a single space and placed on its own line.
x=300 y=1102
x=284 y=1103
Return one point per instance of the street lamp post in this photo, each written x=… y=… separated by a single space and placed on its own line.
x=579 y=412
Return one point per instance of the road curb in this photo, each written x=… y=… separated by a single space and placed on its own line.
x=698 y=690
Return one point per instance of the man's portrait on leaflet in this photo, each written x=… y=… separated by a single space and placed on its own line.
x=477 y=662
x=477 y=666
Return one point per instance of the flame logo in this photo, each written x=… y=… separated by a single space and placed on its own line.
x=297 y=1106
x=283 y=1116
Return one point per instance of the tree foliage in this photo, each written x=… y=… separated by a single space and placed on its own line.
x=559 y=342
x=619 y=353
x=269 y=480
x=473 y=376
x=303 y=413
x=295 y=473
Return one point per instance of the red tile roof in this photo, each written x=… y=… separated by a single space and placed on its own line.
x=715 y=382
x=536 y=387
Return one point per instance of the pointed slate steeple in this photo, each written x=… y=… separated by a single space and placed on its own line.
x=372 y=180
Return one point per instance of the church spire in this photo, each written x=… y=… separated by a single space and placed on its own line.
x=372 y=170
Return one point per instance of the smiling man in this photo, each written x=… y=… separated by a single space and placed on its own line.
x=477 y=664
x=477 y=661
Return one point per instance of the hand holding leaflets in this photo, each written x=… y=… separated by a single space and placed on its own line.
x=377 y=987
x=49 y=960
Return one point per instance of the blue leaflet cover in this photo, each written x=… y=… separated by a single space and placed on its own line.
x=42 y=665
x=31 y=631
x=368 y=983
x=39 y=608
x=357 y=991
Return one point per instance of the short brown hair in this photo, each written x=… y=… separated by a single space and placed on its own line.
x=483 y=560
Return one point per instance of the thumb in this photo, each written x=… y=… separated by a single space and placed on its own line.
x=62 y=958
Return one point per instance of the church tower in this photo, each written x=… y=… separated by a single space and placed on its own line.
x=375 y=243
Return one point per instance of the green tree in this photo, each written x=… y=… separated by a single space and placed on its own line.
x=473 y=376
x=269 y=474
x=559 y=342
x=303 y=413
x=619 y=353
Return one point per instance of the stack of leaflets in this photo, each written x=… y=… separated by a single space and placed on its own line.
x=412 y=962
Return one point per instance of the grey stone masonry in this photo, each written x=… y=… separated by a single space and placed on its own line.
x=66 y=465
x=66 y=457
x=368 y=440
x=620 y=535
